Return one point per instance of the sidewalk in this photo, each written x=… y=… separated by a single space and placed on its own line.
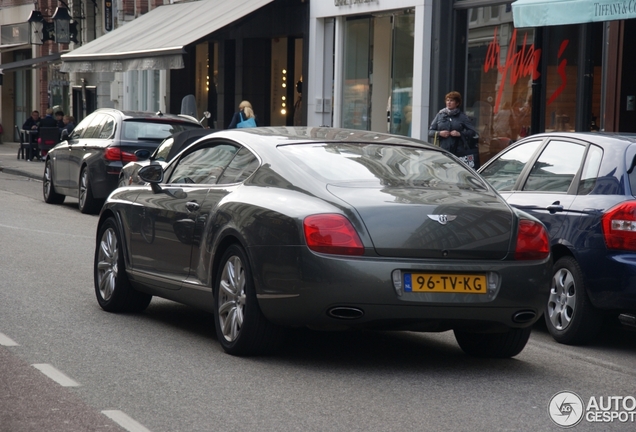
x=11 y=165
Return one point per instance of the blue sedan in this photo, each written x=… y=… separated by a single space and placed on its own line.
x=581 y=186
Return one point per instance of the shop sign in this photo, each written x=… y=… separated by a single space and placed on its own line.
x=339 y=3
x=521 y=63
x=108 y=15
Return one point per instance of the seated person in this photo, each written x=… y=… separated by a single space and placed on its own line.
x=33 y=122
x=31 y=126
x=59 y=118
x=48 y=120
x=69 y=123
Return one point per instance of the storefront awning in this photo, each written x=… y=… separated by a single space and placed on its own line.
x=539 y=13
x=28 y=63
x=156 y=40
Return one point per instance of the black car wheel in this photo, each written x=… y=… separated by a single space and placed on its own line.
x=86 y=202
x=112 y=287
x=494 y=345
x=241 y=327
x=50 y=196
x=569 y=315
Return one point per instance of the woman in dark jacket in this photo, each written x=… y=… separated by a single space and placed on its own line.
x=454 y=128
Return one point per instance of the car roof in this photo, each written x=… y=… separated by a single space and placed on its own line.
x=146 y=115
x=283 y=135
x=595 y=137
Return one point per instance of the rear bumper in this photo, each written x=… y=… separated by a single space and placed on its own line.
x=104 y=178
x=611 y=281
x=292 y=294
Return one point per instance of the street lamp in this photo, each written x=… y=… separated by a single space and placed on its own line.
x=62 y=22
x=61 y=30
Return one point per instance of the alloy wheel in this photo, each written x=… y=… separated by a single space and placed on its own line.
x=83 y=188
x=47 y=179
x=562 y=300
x=107 y=264
x=232 y=297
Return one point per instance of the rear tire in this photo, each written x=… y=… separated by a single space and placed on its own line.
x=112 y=287
x=86 y=202
x=241 y=328
x=493 y=345
x=569 y=315
x=50 y=196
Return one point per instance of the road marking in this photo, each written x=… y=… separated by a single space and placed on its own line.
x=45 y=232
x=124 y=421
x=55 y=375
x=7 y=341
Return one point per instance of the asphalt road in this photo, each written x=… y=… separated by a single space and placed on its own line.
x=163 y=370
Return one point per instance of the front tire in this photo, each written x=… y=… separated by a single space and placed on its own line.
x=569 y=315
x=86 y=202
x=493 y=345
x=50 y=196
x=241 y=327
x=112 y=287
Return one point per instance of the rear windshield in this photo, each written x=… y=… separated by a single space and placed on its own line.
x=383 y=165
x=139 y=130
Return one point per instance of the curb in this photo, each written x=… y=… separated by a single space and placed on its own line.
x=20 y=173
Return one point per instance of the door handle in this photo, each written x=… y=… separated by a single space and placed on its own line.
x=192 y=206
x=553 y=208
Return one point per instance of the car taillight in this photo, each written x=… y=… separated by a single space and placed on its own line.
x=619 y=226
x=115 y=154
x=532 y=241
x=332 y=234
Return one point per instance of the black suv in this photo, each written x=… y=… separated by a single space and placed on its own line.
x=87 y=164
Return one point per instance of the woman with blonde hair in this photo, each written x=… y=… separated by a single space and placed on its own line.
x=245 y=116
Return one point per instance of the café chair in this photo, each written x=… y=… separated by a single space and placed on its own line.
x=24 y=150
x=48 y=137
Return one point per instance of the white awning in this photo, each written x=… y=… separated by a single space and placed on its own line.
x=28 y=63
x=156 y=40
x=539 y=13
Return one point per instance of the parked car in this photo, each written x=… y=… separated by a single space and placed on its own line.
x=581 y=186
x=163 y=154
x=87 y=164
x=329 y=228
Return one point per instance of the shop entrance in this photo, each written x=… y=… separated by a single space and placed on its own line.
x=378 y=72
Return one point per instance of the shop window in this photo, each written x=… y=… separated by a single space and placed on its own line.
x=378 y=72
x=561 y=78
x=502 y=62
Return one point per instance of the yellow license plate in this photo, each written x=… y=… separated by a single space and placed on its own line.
x=446 y=283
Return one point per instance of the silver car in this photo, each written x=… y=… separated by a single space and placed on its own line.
x=271 y=228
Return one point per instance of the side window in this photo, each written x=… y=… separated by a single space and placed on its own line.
x=241 y=167
x=164 y=149
x=92 y=131
x=81 y=127
x=590 y=170
x=556 y=167
x=503 y=173
x=108 y=128
x=203 y=166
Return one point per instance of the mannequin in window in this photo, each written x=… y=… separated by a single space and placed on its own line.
x=298 y=112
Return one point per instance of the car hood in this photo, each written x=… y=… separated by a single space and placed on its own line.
x=411 y=222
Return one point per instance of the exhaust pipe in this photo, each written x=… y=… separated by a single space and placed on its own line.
x=524 y=316
x=345 y=312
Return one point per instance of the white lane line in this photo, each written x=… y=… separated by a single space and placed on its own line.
x=124 y=421
x=55 y=375
x=45 y=232
x=7 y=341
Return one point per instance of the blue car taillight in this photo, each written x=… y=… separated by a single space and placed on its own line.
x=619 y=226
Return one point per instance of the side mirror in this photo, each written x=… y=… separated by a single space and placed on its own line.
x=152 y=174
x=206 y=115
